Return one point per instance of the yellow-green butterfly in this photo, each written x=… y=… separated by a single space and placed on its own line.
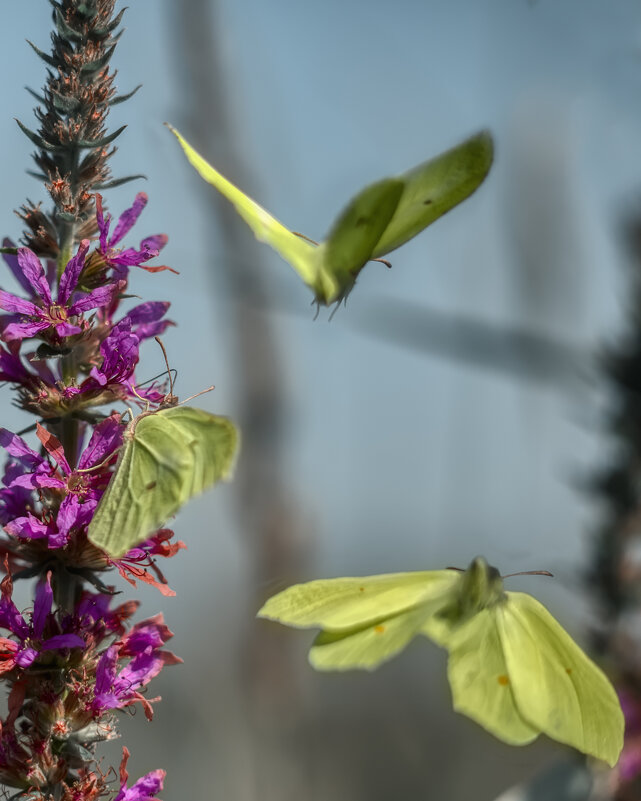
x=512 y=667
x=379 y=219
x=169 y=455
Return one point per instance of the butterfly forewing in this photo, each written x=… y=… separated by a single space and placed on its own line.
x=300 y=253
x=557 y=688
x=347 y=603
x=435 y=187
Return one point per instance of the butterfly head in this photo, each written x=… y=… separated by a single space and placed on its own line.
x=481 y=586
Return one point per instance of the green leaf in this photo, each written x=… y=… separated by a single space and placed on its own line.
x=512 y=667
x=379 y=219
x=169 y=456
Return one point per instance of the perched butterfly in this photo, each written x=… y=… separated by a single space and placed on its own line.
x=512 y=667
x=379 y=219
x=169 y=455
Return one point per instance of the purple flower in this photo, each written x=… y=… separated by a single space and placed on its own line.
x=13 y=500
x=87 y=480
x=82 y=487
x=115 y=689
x=121 y=259
x=144 y=789
x=28 y=319
x=30 y=642
x=120 y=352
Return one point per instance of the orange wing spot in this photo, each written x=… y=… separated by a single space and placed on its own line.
x=379 y=629
x=361 y=589
x=503 y=681
x=568 y=671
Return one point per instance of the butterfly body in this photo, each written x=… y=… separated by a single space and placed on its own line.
x=168 y=456
x=511 y=667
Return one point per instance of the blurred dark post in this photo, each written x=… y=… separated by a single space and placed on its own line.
x=615 y=575
x=267 y=694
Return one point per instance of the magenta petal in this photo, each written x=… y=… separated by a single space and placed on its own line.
x=69 y=278
x=73 y=514
x=140 y=671
x=130 y=257
x=67 y=329
x=17 y=447
x=156 y=242
x=102 y=296
x=28 y=527
x=98 y=376
x=11 y=619
x=63 y=641
x=103 y=224
x=144 y=789
x=24 y=330
x=13 y=264
x=148 y=312
x=26 y=657
x=106 y=670
x=34 y=273
x=42 y=606
x=128 y=218
x=106 y=438
x=12 y=303
x=37 y=481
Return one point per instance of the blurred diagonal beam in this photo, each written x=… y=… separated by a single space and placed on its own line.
x=266 y=685
x=514 y=352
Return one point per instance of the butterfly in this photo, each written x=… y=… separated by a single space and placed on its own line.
x=379 y=219
x=511 y=666
x=169 y=455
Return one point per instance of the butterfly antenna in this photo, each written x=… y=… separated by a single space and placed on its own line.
x=164 y=353
x=173 y=372
x=530 y=573
x=198 y=394
x=140 y=398
x=306 y=238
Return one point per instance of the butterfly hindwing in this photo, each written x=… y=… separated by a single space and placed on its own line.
x=369 y=646
x=350 y=242
x=480 y=680
x=557 y=688
x=168 y=457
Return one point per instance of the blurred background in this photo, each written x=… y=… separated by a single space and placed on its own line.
x=453 y=408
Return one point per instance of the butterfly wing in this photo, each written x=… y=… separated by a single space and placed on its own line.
x=557 y=688
x=435 y=187
x=479 y=680
x=167 y=459
x=344 y=604
x=301 y=254
x=368 y=647
x=353 y=236
x=213 y=442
